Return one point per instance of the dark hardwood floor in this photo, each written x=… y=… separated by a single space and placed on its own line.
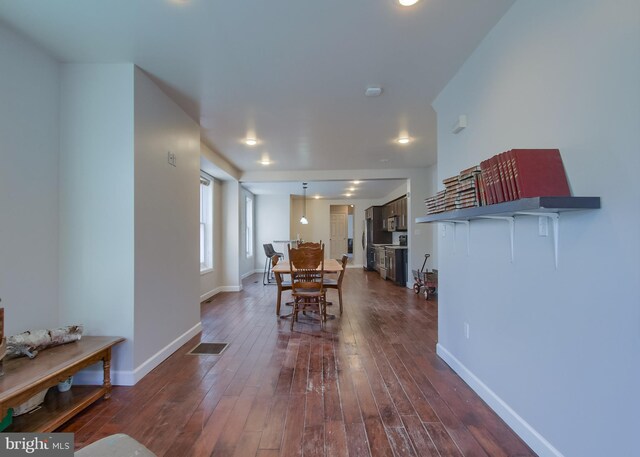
x=369 y=384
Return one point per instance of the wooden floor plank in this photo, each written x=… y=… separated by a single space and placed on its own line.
x=367 y=384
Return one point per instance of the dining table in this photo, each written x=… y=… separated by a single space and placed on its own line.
x=331 y=266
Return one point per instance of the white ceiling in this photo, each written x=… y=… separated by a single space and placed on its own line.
x=328 y=190
x=291 y=72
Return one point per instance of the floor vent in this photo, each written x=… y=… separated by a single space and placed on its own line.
x=208 y=349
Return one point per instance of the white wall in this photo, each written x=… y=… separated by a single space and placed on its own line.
x=29 y=122
x=128 y=220
x=97 y=202
x=231 y=235
x=247 y=264
x=559 y=347
x=422 y=237
x=272 y=223
x=166 y=221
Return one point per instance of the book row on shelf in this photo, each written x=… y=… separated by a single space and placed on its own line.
x=510 y=175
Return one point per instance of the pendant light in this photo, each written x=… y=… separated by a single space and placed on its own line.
x=303 y=219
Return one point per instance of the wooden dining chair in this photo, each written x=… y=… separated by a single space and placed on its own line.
x=307 y=282
x=310 y=244
x=337 y=283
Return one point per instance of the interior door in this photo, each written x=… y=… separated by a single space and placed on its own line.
x=338 y=235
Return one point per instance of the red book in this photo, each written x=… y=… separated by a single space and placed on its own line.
x=480 y=183
x=497 y=185
x=508 y=172
x=540 y=173
x=502 y=168
x=486 y=177
x=512 y=174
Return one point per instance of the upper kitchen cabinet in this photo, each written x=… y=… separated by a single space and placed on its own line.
x=396 y=217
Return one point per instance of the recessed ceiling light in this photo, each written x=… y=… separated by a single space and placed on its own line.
x=317 y=197
x=250 y=141
x=265 y=162
x=347 y=195
x=408 y=2
x=351 y=189
x=403 y=140
x=356 y=182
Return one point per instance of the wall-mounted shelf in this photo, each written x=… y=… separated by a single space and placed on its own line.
x=547 y=207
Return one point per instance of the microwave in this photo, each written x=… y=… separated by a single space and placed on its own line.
x=391 y=224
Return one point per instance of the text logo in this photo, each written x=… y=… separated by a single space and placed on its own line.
x=36 y=444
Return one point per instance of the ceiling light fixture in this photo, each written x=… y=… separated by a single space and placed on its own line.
x=347 y=195
x=317 y=197
x=403 y=140
x=351 y=189
x=356 y=182
x=250 y=141
x=265 y=162
x=408 y=2
x=303 y=219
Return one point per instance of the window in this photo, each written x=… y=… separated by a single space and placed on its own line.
x=248 y=212
x=206 y=224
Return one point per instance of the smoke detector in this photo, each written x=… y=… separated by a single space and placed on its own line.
x=373 y=91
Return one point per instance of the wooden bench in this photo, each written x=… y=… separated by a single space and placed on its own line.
x=23 y=378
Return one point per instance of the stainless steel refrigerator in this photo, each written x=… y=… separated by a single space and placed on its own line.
x=373 y=233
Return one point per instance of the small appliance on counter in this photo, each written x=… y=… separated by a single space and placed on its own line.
x=402 y=240
x=391 y=224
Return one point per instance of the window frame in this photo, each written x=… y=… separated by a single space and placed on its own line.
x=206 y=225
x=248 y=227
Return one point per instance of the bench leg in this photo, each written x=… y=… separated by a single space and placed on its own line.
x=106 y=376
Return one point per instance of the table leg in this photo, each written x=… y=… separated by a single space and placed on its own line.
x=279 y=299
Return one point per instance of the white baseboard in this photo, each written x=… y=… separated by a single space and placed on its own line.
x=130 y=378
x=528 y=434
x=210 y=294
x=217 y=290
x=250 y=272
x=354 y=266
x=230 y=288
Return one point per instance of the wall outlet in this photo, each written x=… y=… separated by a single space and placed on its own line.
x=543 y=226
x=171 y=158
x=466 y=330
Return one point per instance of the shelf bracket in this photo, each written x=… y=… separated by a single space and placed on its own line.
x=555 y=219
x=454 y=222
x=512 y=228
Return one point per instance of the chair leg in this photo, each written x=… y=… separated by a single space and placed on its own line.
x=340 y=298
x=264 y=272
x=269 y=273
x=323 y=306
x=294 y=314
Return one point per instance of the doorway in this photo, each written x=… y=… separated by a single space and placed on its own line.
x=341 y=231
